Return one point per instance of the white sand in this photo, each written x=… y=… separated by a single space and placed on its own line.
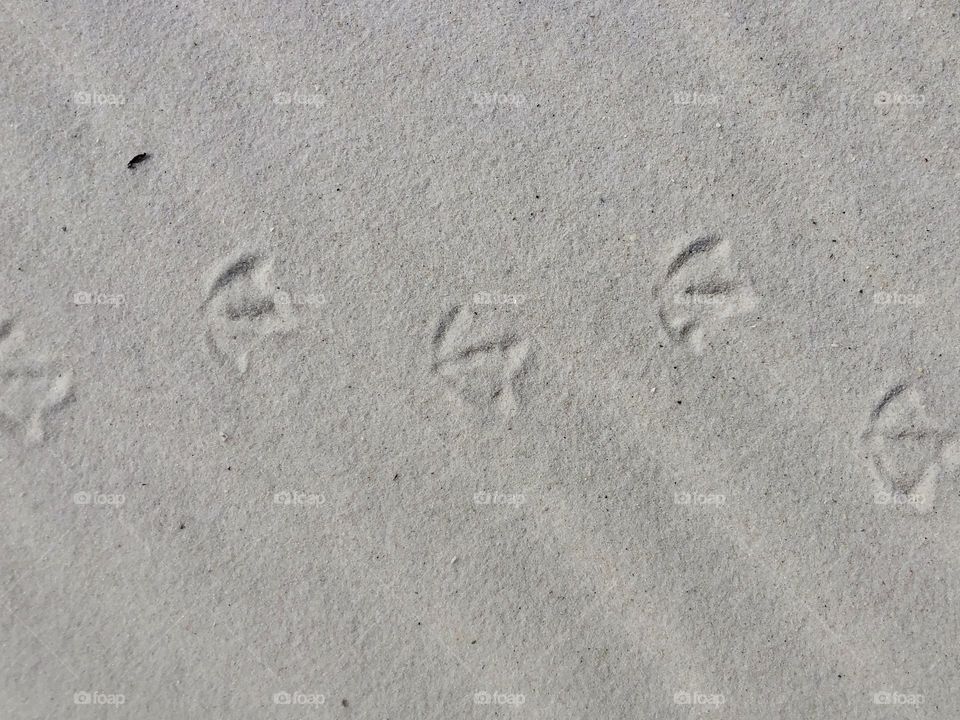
x=458 y=360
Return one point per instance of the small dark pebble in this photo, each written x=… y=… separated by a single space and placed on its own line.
x=137 y=159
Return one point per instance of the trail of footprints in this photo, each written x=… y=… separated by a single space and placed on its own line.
x=32 y=387
x=700 y=288
x=905 y=449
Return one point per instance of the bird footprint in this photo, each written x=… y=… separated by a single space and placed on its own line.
x=700 y=287
x=907 y=451
x=243 y=308
x=31 y=387
x=482 y=372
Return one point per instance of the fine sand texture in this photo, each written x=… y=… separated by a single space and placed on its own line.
x=419 y=360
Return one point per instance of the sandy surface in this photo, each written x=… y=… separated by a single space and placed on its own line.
x=467 y=361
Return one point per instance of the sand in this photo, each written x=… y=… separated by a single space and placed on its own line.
x=454 y=360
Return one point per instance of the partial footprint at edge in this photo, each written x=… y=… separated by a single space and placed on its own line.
x=31 y=387
x=907 y=451
x=243 y=308
x=699 y=289
x=482 y=372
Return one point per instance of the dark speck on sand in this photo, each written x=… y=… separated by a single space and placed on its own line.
x=137 y=159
